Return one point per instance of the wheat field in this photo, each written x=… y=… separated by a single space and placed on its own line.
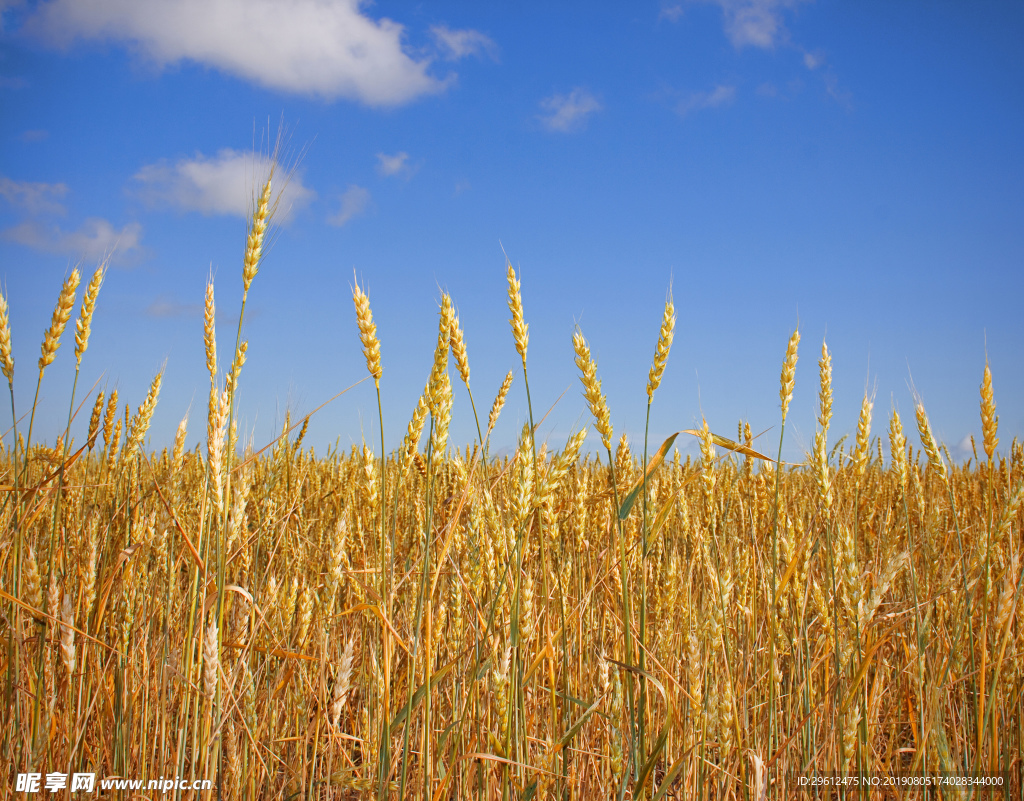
x=441 y=623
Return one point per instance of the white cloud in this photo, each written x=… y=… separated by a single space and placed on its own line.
x=311 y=47
x=354 y=202
x=94 y=239
x=719 y=96
x=755 y=23
x=33 y=197
x=836 y=92
x=223 y=184
x=568 y=112
x=459 y=44
x=964 y=449
x=813 y=60
x=36 y=135
x=673 y=13
x=393 y=165
x=167 y=306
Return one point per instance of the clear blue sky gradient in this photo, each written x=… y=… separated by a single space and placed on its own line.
x=854 y=168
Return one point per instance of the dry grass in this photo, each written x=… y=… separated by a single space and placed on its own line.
x=443 y=625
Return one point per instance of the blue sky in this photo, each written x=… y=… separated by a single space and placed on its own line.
x=854 y=168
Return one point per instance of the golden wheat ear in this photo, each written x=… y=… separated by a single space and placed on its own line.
x=61 y=315
x=592 y=389
x=83 y=326
x=520 y=330
x=665 y=335
x=6 y=358
x=367 y=333
x=989 y=419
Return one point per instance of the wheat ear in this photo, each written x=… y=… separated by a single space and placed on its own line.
x=6 y=358
x=61 y=315
x=499 y=402
x=211 y=659
x=411 y=443
x=67 y=635
x=94 y=421
x=989 y=419
x=367 y=333
x=928 y=440
x=592 y=389
x=820 y=456
x=140 y=425
x=254 y=244
x=520 y=330
x=458 y=343
x=789 y=373
x=440 y=365
x=862 y=451
x=108 y=419
x=210 y=332
x=668 y=325
x=83 y=326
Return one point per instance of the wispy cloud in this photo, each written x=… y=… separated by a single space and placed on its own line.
x=456 y=44
x=13 y=82
x=310 y=47
x=92 y=240
x=755 y=23
x=33 y=197
x=836 y=92
x=39 y=202
x=34 y=135
x=10 y=5
x=566 y=113
x=817 y=61
x=719 y=96
x=167 y=306
x=354 y=201
x=673 y=12
x=397 y=164
x=813 y=59
x=222 y=184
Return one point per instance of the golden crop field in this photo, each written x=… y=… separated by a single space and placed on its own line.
x=444 y=624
